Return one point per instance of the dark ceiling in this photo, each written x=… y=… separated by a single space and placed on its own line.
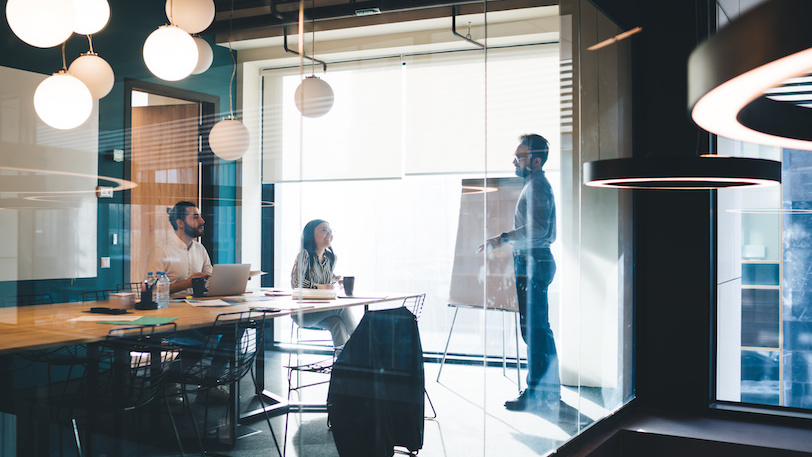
x=252 y=19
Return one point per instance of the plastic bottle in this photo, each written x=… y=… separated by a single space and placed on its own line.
x=162 y=290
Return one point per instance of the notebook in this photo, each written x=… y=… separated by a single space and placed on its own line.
x=228 y=279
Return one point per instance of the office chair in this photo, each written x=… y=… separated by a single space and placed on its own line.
x=228 y=354
x=415 y=305
x=126 y=373
x=28 y=300
x=298 y=371
x=96 y=295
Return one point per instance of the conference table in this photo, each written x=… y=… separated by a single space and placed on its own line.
x=29 y=328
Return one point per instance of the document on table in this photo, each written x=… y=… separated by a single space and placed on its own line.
x=104 y=317
x=209 y=303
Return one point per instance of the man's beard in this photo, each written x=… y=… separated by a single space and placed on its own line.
x=192 y=231
x=523 y=172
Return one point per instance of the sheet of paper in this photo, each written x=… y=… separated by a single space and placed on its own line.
x=292 y=305
x=104 y=317
x=209 y=303
x=253 y=273
x=142 y=320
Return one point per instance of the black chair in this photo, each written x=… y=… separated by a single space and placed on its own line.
x=28 y=300
x=126 y=373
x=66 y=356
x=131 y=287
x=415 y=305
x=228 y=353
x=96 y=295
x=297 y=372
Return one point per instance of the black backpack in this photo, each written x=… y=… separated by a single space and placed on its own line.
x=375 y=401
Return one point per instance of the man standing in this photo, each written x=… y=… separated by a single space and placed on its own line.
x=182 y=257
x=533 y=233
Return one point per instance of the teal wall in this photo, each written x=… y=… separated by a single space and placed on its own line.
x=120 y=44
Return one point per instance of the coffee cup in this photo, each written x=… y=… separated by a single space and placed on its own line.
x=349 y=283
x=199 y=287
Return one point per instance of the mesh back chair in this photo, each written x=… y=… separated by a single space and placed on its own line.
x=415 y=305
x=131 y=287
x=65 y=356
x=228 y=354
x=126 y=373
x=28 y=300
x=298 y=372
x=96 y=295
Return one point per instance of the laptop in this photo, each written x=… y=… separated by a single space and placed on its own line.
x=228 y=279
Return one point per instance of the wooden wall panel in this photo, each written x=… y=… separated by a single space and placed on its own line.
x=164 y=163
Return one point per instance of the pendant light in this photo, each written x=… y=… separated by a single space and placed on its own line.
x=91 y=16
x=698 y=172
x=314 y=97
x=63 y=101
x=682 y=173
x=94 y=71
x=170 y=52
x=193 y=16
x=41 y=23
x=205 y=56
x=229 y=139
x=730 y=72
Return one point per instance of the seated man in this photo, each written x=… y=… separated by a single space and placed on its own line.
x=182 y=257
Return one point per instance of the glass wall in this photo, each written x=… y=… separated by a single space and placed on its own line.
x=412 y=168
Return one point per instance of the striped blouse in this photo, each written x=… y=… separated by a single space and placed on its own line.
x=318 y=273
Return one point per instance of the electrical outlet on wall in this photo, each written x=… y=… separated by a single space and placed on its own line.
x=104 y=192
x=105 y=262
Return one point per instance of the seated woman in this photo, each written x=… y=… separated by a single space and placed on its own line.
x=314 y=270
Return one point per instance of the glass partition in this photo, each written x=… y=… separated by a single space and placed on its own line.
x=412 y=168
x=417 y=164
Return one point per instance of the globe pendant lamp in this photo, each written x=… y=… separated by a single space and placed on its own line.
x=205 y=56
x=229 y=139
x=95 y=72
x=41 y=23
x=91 y=16
x=63 y=101
x=170 y=53
x=314 y=97
x=193 y=16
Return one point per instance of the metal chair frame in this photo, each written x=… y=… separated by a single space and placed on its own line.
x=228 y=354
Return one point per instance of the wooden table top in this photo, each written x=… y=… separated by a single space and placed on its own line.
x=25 y=328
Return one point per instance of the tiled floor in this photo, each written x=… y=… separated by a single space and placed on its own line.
x=471 y=420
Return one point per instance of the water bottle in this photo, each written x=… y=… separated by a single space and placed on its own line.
x=162 y=290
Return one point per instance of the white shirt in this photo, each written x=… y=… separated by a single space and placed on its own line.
x=177 y=261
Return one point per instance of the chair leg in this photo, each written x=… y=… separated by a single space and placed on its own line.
x=445 y=351
x=174 y=425
x=433 y=411
x=265 y=411
x=76 y=437
x=192 y=417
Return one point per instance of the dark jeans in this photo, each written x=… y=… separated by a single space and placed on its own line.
x=534 y=270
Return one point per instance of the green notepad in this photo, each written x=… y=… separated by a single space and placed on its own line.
x=145 y=320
